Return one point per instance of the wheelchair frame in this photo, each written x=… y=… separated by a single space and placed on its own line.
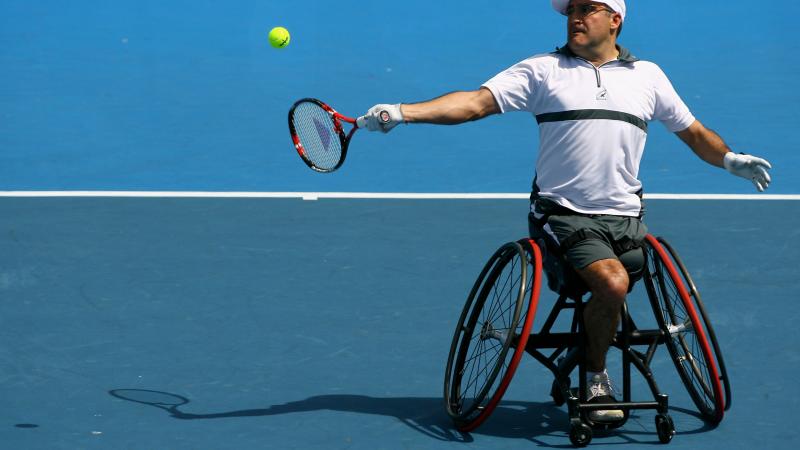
x=703 y=378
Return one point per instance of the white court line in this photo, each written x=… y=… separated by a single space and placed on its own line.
x=366 y=195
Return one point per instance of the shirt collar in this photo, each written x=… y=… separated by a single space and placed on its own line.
x=624 y=54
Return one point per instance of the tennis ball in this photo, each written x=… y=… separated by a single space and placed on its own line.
x=279 y=37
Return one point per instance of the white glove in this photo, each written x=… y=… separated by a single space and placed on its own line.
x=381 y=117
x=749 y=167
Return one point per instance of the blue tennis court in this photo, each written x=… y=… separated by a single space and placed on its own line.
x=136 y=317
x=301 y=324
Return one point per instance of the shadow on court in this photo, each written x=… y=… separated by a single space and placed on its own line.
x=511 y=420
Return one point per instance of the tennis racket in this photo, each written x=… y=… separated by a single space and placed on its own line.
x=318 y=134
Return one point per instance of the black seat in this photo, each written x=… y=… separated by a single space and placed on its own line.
x=562 y=278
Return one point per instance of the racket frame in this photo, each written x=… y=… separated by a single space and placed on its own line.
x=337 y=119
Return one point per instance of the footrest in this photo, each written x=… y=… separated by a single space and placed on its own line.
x=617 y=405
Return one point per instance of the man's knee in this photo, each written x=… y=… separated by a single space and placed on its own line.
x=615 y=288
x=607 y=279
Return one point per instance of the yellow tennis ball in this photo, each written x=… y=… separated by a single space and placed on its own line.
x=279 y=37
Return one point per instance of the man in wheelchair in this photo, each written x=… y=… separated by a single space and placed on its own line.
x=592 y=100
x=604 y=250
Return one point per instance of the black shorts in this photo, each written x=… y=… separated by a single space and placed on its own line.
x=607 y=236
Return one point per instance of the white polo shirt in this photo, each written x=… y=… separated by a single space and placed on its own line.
x=592 y=124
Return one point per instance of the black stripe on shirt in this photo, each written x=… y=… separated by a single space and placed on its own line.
x=591 y=114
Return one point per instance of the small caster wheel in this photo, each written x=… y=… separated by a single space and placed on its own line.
x=557 y=394
x=580 y=434
x=665 y=428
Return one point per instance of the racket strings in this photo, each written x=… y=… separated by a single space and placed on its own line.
x=318 y=135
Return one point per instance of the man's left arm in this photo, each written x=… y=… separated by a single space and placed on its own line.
x=710 y=147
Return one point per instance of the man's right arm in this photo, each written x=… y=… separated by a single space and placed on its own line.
x=449 y=109
x=509 y=90
x=452 y=108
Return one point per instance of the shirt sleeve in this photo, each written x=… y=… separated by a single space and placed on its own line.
x=670 y=108
x=513 y=87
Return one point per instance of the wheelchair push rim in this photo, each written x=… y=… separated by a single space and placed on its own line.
x=489 y=341
x=694 y=294
x=686 y=334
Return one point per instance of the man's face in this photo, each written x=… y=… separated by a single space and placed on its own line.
x=588 y=23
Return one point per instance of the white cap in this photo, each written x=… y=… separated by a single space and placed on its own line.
x=617 y=5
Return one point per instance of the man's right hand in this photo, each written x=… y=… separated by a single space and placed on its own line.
x=382 y=117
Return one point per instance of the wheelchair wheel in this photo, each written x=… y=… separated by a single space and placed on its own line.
x=686 y=336
x=698 y=302
x=492 y=332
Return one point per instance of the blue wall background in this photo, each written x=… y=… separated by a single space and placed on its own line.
x=188 y=95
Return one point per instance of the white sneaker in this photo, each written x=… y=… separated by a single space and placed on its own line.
x=599 y=390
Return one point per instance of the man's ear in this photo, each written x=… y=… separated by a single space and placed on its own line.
x=616 y=23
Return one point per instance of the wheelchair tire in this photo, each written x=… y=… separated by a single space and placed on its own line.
x=686 y=337
x=492 y=332
x=694 y=294
x=580 y=434
x=665 y=428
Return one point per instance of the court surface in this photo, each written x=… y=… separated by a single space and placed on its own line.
x=184 y=95
x=326 y=324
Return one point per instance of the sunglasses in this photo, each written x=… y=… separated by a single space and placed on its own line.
x=586 y=9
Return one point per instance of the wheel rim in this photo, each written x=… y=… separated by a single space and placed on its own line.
x=482 y=336
x=694 y=295
x=469 y=411
x=686 y=339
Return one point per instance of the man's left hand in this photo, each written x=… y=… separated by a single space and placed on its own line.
x=749 y=167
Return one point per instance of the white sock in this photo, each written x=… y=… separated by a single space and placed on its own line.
x=590 y=374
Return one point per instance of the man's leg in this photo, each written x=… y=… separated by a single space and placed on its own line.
x=608 y=281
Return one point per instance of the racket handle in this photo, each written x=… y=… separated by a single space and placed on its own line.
x=384 y=116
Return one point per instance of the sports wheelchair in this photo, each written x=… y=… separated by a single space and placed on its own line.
x=496 y=328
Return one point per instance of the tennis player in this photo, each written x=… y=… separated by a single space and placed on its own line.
x=592 y=100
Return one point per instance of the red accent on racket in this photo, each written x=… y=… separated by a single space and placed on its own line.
x=318 y=134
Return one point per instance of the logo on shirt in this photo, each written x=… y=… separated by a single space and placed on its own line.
x=602 y=95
